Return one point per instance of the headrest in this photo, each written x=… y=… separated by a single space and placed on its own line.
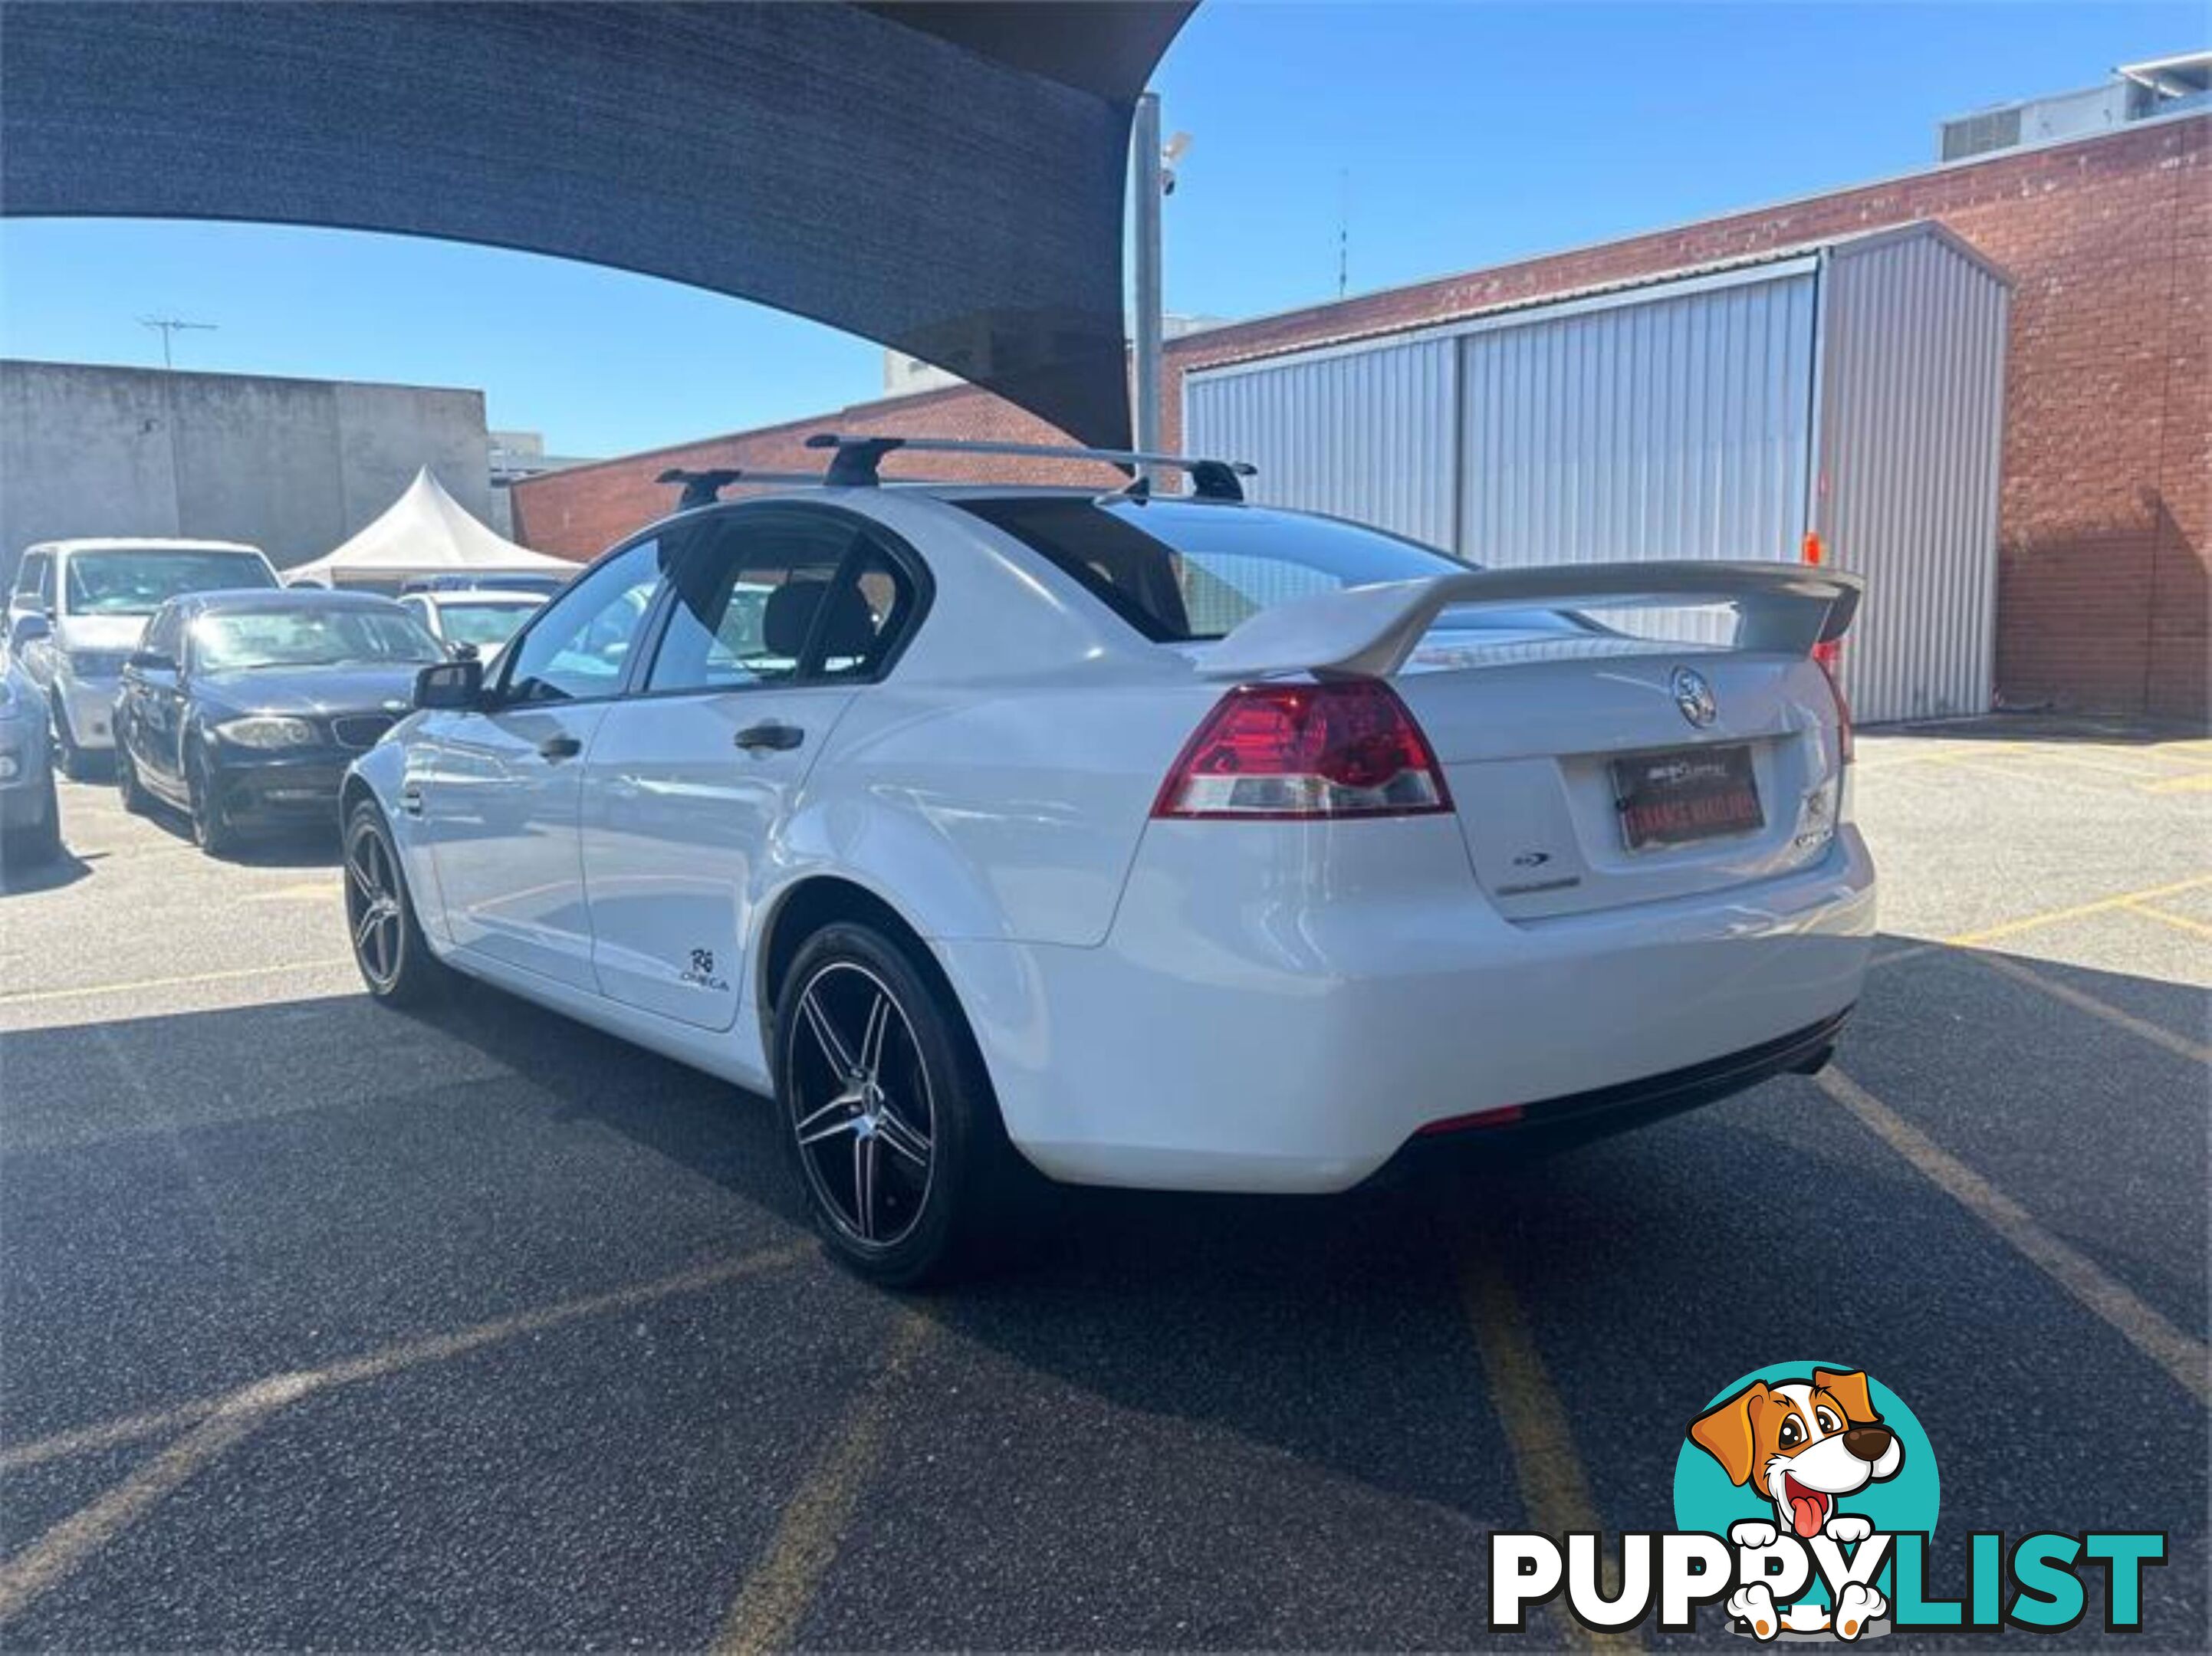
x=790 y=611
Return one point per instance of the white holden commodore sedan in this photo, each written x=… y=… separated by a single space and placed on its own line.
x=1165 y=842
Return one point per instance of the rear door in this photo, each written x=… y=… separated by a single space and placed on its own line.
x=781 y=615
x=499 y=790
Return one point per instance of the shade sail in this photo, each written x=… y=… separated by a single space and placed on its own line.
x=947 y=180
x=426 y=532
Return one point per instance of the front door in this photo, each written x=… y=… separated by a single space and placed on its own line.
x=781 y=614
x=500 y=791
x=149 y=715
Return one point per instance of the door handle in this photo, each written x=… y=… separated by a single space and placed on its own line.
x=560 y=747
x=777 y=738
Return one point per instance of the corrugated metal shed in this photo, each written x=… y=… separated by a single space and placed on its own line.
x=1852 y=387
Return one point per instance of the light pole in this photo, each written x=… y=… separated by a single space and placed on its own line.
x=1148 y=187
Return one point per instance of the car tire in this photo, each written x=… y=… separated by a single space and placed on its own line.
x=133 y=791
x=38 y=843
x=211 y=831
x=389 y=949
x=886 y=1111
x=75 y=763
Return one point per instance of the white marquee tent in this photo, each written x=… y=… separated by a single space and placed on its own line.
x=426 y=532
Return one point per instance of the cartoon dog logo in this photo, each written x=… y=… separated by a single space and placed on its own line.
x=1803 y=1447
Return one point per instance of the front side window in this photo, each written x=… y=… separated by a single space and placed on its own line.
x=36 y=578
x=127 y=582
x=165 y=634
x=776 y=597
x=580 y=646
x=249 y=641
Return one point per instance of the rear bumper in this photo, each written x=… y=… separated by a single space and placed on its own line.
x=1556 y=1123
x=1264 y=1032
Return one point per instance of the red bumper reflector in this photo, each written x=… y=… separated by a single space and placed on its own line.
x=1504 y=1115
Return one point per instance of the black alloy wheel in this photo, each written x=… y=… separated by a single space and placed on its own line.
x=388 y=946
x=887 y=1110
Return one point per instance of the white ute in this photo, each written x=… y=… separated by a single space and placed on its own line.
x=1168 y=841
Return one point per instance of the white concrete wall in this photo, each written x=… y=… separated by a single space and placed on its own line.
x=294 y=466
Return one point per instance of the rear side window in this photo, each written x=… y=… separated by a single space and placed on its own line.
x=1176 y=571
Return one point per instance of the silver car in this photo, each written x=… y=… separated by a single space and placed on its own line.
x=78 y=607
x=30 y=816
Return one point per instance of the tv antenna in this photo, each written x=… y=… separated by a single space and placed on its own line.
x=1343 y=229
x=168 y=327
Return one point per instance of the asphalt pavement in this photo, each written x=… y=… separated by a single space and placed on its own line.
x=326 y=1326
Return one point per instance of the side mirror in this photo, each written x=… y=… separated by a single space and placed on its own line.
x=29 y=629
x=464 y=651
x=149 y=661
x=454 y=686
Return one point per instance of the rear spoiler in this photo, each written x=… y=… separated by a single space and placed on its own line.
x=1368 y=632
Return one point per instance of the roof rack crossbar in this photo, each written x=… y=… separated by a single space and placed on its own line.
x=854 y=463
x=705 y=487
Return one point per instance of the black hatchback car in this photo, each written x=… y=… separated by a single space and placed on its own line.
x=245 y=708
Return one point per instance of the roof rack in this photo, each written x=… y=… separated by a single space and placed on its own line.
x=705 y=487
x=853 y=466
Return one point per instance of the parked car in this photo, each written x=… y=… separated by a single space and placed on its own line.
x=1176 y=843
x=243 y=709
x=30 y=815
x=79 y=607
x=543 y=585
x=482 y=618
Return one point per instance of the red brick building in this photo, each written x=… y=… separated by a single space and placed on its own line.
x=2107 y=498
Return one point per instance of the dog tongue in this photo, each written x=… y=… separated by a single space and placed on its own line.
x=1805 y=1514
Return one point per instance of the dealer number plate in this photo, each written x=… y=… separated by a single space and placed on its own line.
x=1686 y=794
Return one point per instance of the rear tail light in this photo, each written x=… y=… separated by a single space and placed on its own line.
x=1345 y=748
x=1829 y=655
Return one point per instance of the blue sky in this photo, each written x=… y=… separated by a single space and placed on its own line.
x=1459 y=134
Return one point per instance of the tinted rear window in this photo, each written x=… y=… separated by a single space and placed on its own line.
x=1178 y=571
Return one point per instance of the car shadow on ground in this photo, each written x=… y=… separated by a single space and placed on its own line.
x=64 y=868
x=303 y=846
x=1362 y=1334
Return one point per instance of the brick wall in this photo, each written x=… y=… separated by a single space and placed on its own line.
x=2107 y=479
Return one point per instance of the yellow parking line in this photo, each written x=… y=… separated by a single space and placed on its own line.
x=2194 y=782
x=296 y=892
x=31 y=997
x=406 y=1354
x=2110 y=1014
x=2183 y=1357
x=226 y=1420
x=2179 y=922
x=58 y=1552
x=2052 y=916
x=766 y=1612
x=1554 y=1489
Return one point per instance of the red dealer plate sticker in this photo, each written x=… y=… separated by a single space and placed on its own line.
x=1686 y=794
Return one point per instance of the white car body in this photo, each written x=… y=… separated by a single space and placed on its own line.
x=1257 y=1005
x=79 y=664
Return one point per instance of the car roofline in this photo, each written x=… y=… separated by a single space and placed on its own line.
x=143 y=543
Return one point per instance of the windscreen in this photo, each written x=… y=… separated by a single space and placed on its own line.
x=125 y=582
x=251 y=640
x=1179 y=572
x=483 y=625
